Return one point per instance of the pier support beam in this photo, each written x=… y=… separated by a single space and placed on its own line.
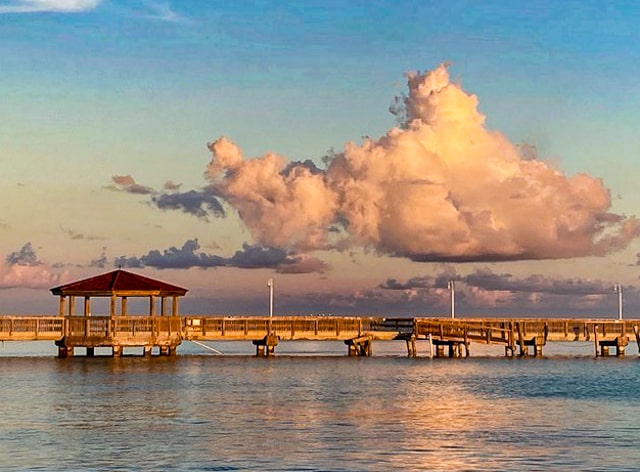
x=536 y=342
x=411 y=346
x=620 y=344
x=360 y=346
x=266 y=346
x=454 y=348
x=64 y=352
x=167 y=350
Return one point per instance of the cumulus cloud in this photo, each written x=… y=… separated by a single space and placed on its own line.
x=249 y=257
x=439 y=187
x=37 y=6
x=23 y=269
x=283 y=206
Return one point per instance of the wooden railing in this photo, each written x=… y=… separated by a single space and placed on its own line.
x=488 y=333
x=295 y=327
x=486 y=330
x=508 y=331
x=106 y=326
x=31 y=327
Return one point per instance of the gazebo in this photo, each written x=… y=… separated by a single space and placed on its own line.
x=119 y=284
x=117 y=330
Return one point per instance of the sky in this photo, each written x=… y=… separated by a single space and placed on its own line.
x=361 y=154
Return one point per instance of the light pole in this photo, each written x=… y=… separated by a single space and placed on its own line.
x=452 y=290
x=270 y=285
x=618 y=288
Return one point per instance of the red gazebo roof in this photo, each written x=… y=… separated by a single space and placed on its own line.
x=119 y=283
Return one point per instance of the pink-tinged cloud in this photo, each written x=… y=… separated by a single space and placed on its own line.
x=288 y=207
x=128 y=184
x=23 y=269
x=440 y=187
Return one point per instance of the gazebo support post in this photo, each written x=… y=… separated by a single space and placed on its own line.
x=61 y=305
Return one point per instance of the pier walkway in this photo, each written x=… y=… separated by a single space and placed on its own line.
x=445 y=337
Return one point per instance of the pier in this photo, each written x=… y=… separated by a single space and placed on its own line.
x=162 y=329
x=436 y=337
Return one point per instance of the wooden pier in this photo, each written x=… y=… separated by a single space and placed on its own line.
x=440 y=337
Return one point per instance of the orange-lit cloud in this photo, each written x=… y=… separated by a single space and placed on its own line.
x=440 y=187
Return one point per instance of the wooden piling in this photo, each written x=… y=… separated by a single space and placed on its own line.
x=411 y=346
x=523 y=348
x=361 y=346
x=64 y=352
x=266 y=346
x=621 y=344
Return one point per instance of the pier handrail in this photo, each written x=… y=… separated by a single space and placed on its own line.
x=285 y=327
x=37 y=327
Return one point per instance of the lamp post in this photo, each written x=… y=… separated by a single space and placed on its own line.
x=452 y=290
x=618 y=288
x=270 y=285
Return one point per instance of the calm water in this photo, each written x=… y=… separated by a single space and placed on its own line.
x=328 y=412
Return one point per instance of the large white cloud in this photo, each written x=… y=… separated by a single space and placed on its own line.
x=440 y=187
x=34 y=6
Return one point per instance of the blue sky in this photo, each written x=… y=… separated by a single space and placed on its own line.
x=106 y=102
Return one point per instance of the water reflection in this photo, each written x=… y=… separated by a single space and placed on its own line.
x=318 y=413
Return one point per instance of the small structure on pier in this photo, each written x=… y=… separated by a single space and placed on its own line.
x=103 y=331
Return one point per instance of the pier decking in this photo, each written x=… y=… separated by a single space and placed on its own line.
x=446 y=337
